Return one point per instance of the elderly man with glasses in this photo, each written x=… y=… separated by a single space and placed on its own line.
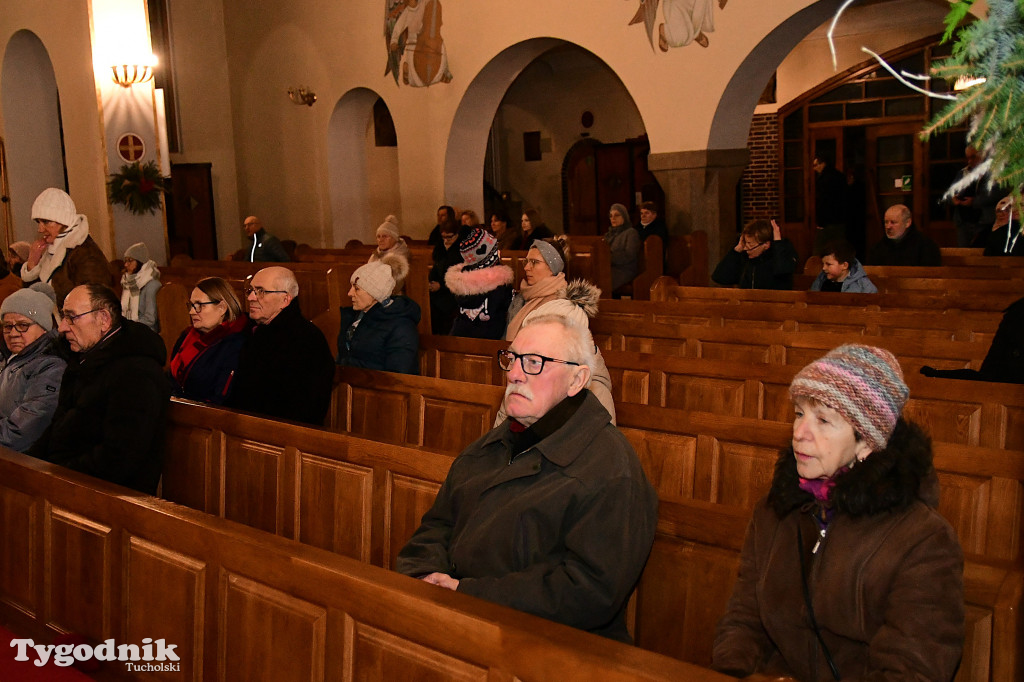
x=112 y=406
x=32 y=367
x=285 y=369
x=550 y=512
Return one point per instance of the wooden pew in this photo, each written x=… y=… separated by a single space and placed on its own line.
x=363 y=498
x=666 y=289
x=953 y=411
x=104 y=562
x=775 y=346
x=956 y=325
x=653 y=266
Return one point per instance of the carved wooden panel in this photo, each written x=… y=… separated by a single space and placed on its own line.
x=947 y=421
x=964 y=502
x=335 y=506
x=266 y=634
x=190 y=480
x=252 y=478
x=380 y=415
x=697 y=581
x=668 y=461
x=450 y=425
x=977 y=659
x=631 y=387
x=379 y=656
x=742 y=474
x=704 y=394
x=78 y=573
x=408 y=499
x=19 y=551
x=654 y=345
x=165 y=597
x=734 y=352
x=476 y=369
x=1014 y=428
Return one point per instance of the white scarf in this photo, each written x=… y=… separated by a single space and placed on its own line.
x=131 y=285
x=53 y=258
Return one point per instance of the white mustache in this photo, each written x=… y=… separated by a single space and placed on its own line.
x=520 y=389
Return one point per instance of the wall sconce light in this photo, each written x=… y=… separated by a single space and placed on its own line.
x=302 y=95
x=127 y=75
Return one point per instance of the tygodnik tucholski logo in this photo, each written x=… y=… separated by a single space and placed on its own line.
x=150 y=656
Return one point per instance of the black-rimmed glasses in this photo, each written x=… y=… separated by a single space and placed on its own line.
x=261 y=292
x=197 y=306
x=532 y=363
x=71 y=318
x=22 y=327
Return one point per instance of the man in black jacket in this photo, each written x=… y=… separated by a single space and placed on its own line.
x=262 y=246
x=112 y=407
x=761 y=259
x=286 y=368
x=903 y=244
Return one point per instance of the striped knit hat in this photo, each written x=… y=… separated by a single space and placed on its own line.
x=479 y=250
x=862 y=383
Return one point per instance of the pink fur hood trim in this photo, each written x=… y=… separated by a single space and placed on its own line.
x=477 y=281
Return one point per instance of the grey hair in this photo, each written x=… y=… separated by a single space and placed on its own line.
x=581 y=343
x=289 y=283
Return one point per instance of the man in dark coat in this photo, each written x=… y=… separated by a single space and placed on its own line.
x=112 y=407
x=262 y=246
x=550 y=512
x=761 y=259
x=651 y=223
x=903 y=244
x=829 y=202
x=286 y=368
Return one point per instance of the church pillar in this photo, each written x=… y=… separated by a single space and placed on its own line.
x=701 y=194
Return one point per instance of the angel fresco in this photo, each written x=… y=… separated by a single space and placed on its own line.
x=684 y=21
x=416 y=51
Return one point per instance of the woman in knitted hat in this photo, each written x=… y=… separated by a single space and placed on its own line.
x=389 y=243
x=139 y=284
x=65 y=255
x=482 y=287
x=205 y=356
x=379 y=330
x=848 y=570
x=33 y=366
x=624 y=243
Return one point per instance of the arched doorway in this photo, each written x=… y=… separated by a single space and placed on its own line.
x=519 y=119
x=34 y=140
x=362 y=158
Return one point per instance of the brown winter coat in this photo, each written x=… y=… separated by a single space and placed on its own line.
x=886 y=584
x=84 y=264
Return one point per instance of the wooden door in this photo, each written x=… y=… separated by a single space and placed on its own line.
x=581 y=190
x=191 y=225
x=895 y=155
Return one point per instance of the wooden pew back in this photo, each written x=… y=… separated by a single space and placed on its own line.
x=364 y=498
x=239 y=604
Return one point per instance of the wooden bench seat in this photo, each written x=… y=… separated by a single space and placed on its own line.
x=953 y=411
x=363 y=498
x=104 y=562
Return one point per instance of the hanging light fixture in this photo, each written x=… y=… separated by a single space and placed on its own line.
x=127 y=75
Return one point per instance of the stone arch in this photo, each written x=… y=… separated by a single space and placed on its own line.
x=467 y=140
x=360 y=185
x=32 y=130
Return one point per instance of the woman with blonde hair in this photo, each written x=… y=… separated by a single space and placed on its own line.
x=205 y=356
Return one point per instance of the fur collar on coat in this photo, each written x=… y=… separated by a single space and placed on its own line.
x=462 y=283
x=888 y=480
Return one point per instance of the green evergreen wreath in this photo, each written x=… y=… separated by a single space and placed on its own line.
x=993 y=48
x=137 y=187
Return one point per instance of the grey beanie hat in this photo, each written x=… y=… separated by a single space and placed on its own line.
x=21 y=248
x=54 y=204
x=34 y=305
x=376 y=279
x=137 y=252
x=550 y=255
x=45 y=288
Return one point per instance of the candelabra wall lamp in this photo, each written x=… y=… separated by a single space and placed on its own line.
x=127 y=75
x=302 y=95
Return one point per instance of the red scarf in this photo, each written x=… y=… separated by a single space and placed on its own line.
x=196 y=343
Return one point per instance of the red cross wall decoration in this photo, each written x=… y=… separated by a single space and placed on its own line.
x=130 y=147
